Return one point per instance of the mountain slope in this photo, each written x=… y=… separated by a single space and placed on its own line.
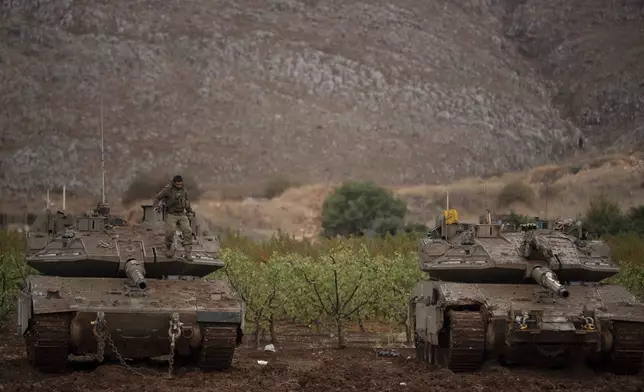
x=591 y=55
x=234 y=91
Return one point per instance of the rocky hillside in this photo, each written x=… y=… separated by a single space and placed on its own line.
x=316 y=90
x=590 y=55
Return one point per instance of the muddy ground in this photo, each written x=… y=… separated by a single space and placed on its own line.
x=303 y=362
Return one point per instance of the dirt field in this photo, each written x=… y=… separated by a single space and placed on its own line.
x=303 y=363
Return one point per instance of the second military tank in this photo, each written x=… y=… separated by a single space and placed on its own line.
x=533 y=296
x=107 y=289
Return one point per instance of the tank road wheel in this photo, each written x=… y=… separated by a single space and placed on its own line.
x=461 y=342
x=47 y=342
x=628 y=348
x=217 y=347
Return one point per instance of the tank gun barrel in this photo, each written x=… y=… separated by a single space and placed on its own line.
x=136 y=272
x=548 y=279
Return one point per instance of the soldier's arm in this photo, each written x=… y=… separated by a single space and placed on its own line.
x=189 y=209
x=161 y=195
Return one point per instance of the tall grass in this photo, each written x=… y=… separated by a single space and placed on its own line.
x=628 y=251
x=12 y=271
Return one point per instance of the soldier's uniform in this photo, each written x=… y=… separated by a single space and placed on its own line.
x=177 y=208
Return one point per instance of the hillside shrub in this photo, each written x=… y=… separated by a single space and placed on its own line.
x=627 y=250
x=276 y=187
x=516 y=220
x=515 y=192
x=359 y=208
x=636 y=220
x=604 y=217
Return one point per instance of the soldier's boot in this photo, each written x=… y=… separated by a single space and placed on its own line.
x=188 y=253
x=168 y=250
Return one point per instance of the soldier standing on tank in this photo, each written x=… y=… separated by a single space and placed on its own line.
x=179 y=212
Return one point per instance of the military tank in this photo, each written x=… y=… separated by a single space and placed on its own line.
x=527 y=297
x=108 y=290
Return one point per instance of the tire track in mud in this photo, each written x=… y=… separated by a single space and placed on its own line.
x=303 y=366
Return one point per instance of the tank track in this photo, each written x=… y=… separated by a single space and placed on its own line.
x=218 y=348
x=466 y=342
x=48 y=342
x=628 y=347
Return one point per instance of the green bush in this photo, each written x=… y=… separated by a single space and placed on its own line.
x=636 y=219
x=627 y=250
x=515 y=192
x=359 y=208
x=146 y=185
x=12 y=271
x=517 y=220
x=276 y=187
x=623 y=234
x=604 y=217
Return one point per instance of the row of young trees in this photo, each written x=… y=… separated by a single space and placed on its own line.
x=347 y=283
x=349 y=279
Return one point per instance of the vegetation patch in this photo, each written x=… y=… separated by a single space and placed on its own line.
x=515 y=192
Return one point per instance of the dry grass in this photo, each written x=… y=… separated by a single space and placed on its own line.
x=559 y=190
x=567 y=193
x=296 y=211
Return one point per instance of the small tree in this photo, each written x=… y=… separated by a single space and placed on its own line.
x=392 y=302
x=356 y=208
x=276 y=187
x=260 y=286
x=341 y=283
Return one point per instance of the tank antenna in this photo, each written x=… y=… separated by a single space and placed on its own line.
x=447 y=200
x=102 y=156
x=547 y=195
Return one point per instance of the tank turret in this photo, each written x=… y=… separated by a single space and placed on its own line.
x=87 y=245
x=484 y=253
x=529 y=296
